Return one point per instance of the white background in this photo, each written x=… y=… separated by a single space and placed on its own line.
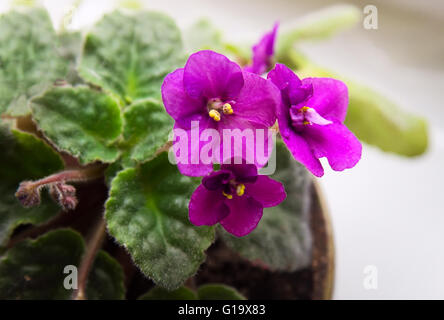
x=387 y=211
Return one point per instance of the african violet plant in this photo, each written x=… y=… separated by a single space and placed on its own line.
x=88 y=117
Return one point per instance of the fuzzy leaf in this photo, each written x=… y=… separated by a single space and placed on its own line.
x=378 y=121
x=218 y=292
x=81 y=121
x=112 y=170
x=158 y=293
x=130 y=54
x=29 y=60
x=205 y=292
x=106 y=279
x=24 y=157
x=70 y=49
x=282 y=240
x=34 y=269
x=146 y=126
x=147 y=212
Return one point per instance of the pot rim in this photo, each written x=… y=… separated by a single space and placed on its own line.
x=323 y=254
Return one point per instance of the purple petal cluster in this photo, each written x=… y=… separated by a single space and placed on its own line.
x=263 y=53
x=217 y=94
x=311 y=120
x=235 y=197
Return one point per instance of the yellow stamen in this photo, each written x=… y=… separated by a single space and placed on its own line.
x=240 y=190
x=214 y=114
x=227 y=109
x=306 y=122
x=304 y=109
x=229 y=196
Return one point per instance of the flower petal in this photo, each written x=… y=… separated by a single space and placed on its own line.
x=296 y=144
x=329 y=99
x=212 y=75
x=263 y=52
x=191 y=164
x=245 y=214
x=300 y=94
x=249 y=141
x=315 y=118
x=242 y=172
x=337 y=143
x=207 y=207
x=283 y=77
x=267 y=191
x=257 y=101
x=177 y=103
x=302 y=152
x=217 y=180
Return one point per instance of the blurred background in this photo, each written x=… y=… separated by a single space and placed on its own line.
x=387 y=212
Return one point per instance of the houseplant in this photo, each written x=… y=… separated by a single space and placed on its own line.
x=83 y=116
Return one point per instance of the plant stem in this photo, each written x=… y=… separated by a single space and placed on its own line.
x=93 y=246
x=28 y=192
x=165 y=148
x=89 y=173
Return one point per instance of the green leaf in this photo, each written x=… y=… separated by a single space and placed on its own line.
x=70 y=49
x=29 y=60
x=131 y=4
x=130 y=54
x=205 y=292
x=374 y=118
x=106 y=279
x=202 y=35
x=218 y=292
x=81 y=121
x=35 y=269
x=147 y=212
x=146 y=126
x=112 y=170
x=282 y=240
x=319 y=25
x=158 y=293
x=24 y=157
x=25 y=3
x=378 y=121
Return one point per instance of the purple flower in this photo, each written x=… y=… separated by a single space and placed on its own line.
x=263 y=53
x=215 y=93
x=234 y=196
x=311 y=118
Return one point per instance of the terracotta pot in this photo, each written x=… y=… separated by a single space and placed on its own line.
x=323 y=255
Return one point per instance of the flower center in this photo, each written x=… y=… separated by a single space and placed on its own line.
x=217 y=108
x=240 y=189
x=306 y=116
x=233 y=187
